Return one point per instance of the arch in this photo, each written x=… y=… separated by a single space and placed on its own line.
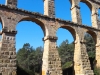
x=87 y=3
x=64 y=7
x=93 y=34
x=66 y=47
x=2 y=22
x=33 y=33
x=32 y=37
x=86 y=17
x=38 y=22
x=90 y=38
x=71 y=30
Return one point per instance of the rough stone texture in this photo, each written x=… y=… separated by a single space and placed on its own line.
x=75 y=11
x=94 y=5
x=11 y=3
x=49 y=8
x=98 y=51
x=10 y=16
x=51 y=60
x=81 y=60
x=7 y=53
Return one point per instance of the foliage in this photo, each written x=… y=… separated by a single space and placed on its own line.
x=30 y=59
x=66 y=51
x=96 y=71
x=23 y=71
x=90 y=45
x=67 y=65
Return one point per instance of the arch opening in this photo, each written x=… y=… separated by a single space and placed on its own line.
x=29 y=47
x=66 y=37
x=36 y=21
x=34 y=6
x=93 y=35
x=1 y=25
x=0 y=31
x=62 y=5
x=99 y=14
x=90 y=39
x=85 y=11
x=87 y=3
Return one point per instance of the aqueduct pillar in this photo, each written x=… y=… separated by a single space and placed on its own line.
x=8 y=53
x=94 y=17
x=75 y=11
x=49 y=8
x=81 y=60
x=51 y=60
x=98 y=51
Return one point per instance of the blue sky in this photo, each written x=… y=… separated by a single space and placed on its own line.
x=29 y=32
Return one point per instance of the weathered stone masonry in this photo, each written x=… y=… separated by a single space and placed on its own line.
x=8 y=53
x=10 y=16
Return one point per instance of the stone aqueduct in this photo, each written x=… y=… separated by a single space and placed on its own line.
x=10 y=15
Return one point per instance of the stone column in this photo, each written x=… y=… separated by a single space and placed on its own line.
x=49 y=8
x=8 y=53
x=11 y=3
x=98 y=51
x=94 y=18
x=51 y=60
x=75 y=11
x=81 y=59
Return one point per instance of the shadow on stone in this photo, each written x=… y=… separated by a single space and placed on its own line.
x=21 y=71
x=68 y=71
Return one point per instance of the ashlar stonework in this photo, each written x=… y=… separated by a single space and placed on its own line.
x=10 y=16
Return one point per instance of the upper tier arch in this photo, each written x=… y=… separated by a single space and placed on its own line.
x=93 y=34
x=70 y=29
x=38 y=22
x=88 y=3
x=76 y=2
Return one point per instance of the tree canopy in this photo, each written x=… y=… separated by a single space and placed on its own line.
x=29 y=59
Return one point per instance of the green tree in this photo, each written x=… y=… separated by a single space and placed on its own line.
x=90 y=45
x=36 y=59
x=30 y=59
x=66 y=52
x=23 y=55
